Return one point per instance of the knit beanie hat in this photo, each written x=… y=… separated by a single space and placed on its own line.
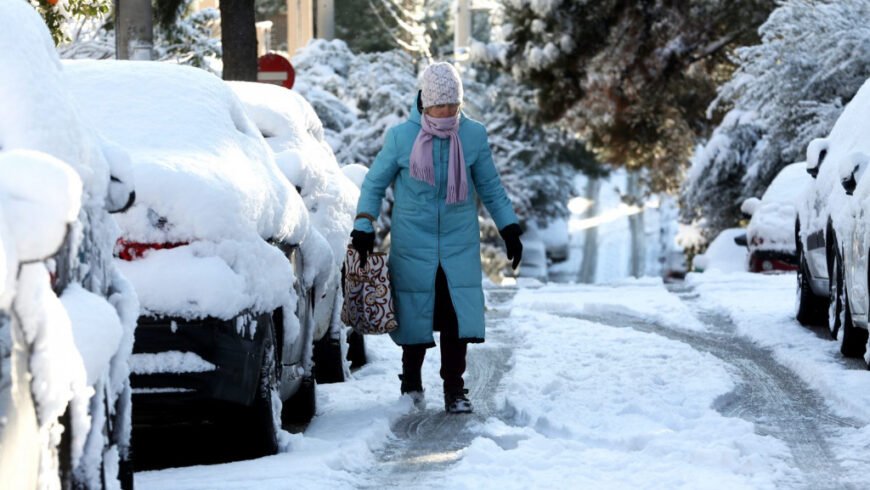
x=441 y=85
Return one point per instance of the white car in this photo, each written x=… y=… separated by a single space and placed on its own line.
x=848 y=148
x=824 y=227
x=295 y=134
x=66 y=313
x=217 y=247
x=770 y=234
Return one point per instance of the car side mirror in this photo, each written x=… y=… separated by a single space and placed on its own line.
x=741 y=240
x=750 y=206
x=817 y=150
x=858 y=165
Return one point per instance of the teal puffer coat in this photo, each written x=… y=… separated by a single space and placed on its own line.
x=427 y=231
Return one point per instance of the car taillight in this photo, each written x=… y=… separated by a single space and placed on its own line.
x=135 y=250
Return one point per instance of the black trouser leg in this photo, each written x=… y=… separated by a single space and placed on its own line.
x=412 y=365
x=453 y=349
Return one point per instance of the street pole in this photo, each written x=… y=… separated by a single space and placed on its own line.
x=462 y=30
x=326 y=19
x=134 y=34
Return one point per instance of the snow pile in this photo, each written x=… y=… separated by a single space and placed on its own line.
x=723 y=254
x=585 y=411
x=218 y=279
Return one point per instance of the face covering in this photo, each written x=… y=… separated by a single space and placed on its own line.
x=422 y=166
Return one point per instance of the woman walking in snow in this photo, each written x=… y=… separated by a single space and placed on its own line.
x=438 y=160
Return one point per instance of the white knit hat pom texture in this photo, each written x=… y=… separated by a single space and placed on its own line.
x=441 y=85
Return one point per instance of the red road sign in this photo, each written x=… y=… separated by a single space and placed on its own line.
x=275 y=69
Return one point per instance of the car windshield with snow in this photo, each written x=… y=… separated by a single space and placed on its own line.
x=212 y=246
x=770 y=234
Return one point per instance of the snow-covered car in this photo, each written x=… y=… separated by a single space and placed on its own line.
x=295 y=134
x=724 y=254
x=68 y=314
x=218 y=249
x=848 y=150
x=823 y=228
x=770 y=232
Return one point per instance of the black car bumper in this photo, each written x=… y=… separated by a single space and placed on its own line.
x=234 y=347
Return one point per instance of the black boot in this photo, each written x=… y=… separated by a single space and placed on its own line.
x=457 y=402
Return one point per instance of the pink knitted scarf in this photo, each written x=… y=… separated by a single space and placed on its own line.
x=422 y=166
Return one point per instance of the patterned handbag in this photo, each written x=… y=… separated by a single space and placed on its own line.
x=368 y=300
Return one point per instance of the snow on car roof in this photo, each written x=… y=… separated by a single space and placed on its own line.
x=36 y=110
x=788 y=185
x=202 y=169
x=724 y=254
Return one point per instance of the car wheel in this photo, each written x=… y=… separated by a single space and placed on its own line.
x=356 y=349
x=328 y=365
x=256 y=426
x=854 y=341
x=835 y=297
x=299 y=409
x=809 y=309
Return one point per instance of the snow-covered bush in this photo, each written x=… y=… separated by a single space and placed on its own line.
x=812 y=59
x=713 y=188
x=358 y=97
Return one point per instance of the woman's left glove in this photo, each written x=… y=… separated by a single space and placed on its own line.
x=364 y=243
x=511 y=236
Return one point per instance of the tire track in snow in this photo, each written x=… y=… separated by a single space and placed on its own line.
x=768 y=394
x=427 y=442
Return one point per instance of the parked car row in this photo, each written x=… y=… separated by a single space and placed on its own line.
x=222 y=253
x=832 y=232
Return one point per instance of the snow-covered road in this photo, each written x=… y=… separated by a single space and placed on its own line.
x=705 y=384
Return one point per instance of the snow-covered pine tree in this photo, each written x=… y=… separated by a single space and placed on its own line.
x=812 y=59
x=634 y=78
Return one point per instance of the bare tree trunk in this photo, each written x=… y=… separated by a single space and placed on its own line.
x=239 y=40
x=134 y=33
x=589 y=266
x=637 y=265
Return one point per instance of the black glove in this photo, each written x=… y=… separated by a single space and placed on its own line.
x=363 y=242
x=511 y=236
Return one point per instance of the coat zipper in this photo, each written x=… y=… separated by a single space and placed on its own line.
x=438 y=204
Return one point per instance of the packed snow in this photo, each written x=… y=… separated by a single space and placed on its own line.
x=583 y=403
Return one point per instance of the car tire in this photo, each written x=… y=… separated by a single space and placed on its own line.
x=328 y=363
x=299 y=409
x=356 y=349
x=854 y=339
x=809 y=309
x=835 y=296
x=255 y=427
